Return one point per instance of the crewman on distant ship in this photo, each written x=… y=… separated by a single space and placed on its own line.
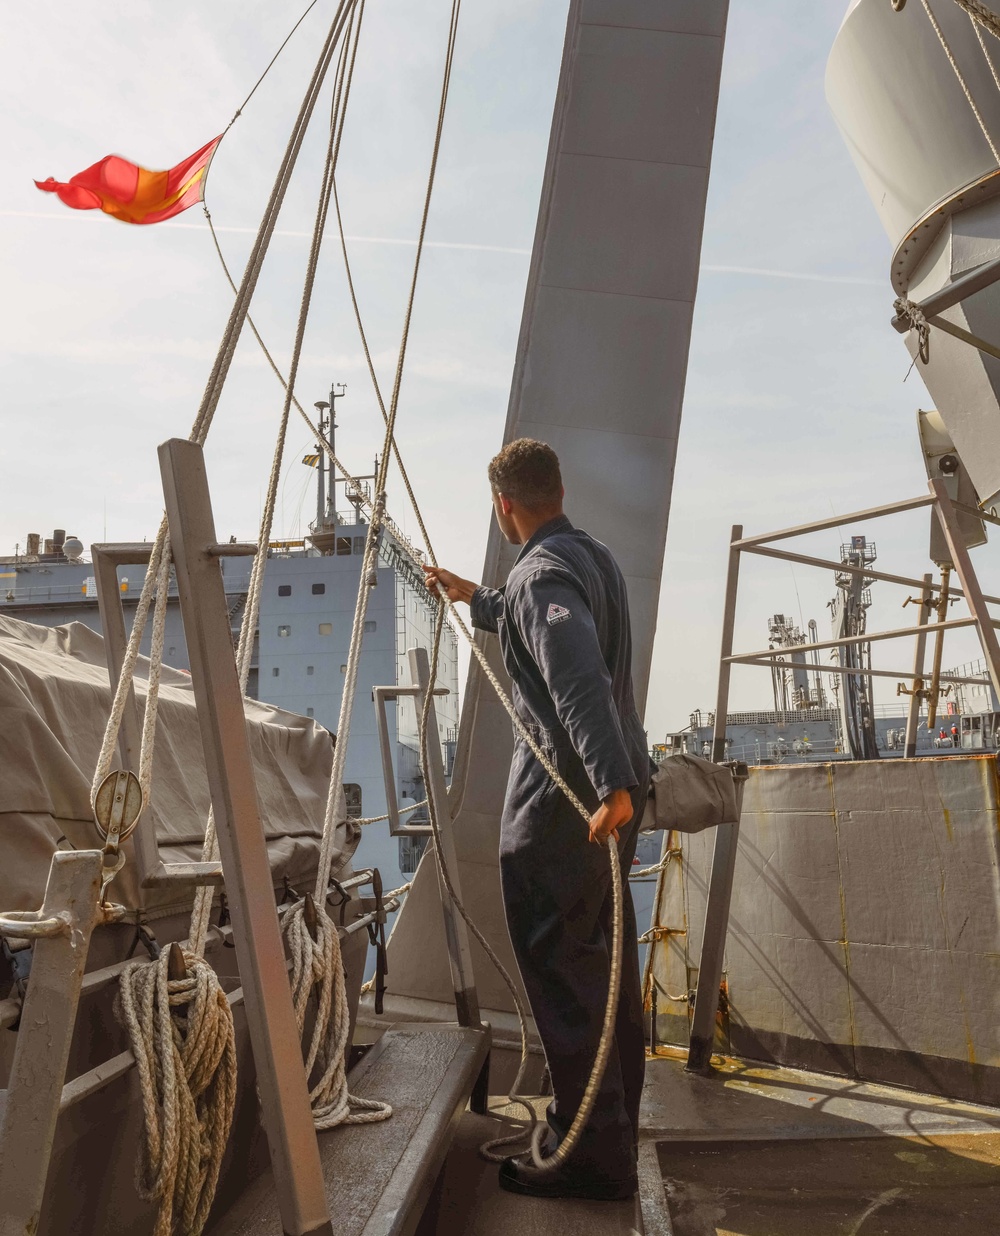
x=563 y=623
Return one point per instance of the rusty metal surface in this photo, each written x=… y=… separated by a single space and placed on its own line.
x=48 y=1017
x=917 y=1186
x=865 y=931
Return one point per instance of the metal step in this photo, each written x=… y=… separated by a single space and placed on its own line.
x=470 y=1201
x=378 y=1176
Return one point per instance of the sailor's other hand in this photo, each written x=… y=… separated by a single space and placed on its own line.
x=615 y=811
x=453 y=586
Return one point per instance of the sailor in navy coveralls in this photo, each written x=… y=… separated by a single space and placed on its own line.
x=563 y=624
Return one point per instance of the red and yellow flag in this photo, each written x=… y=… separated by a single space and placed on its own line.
x=135 y=194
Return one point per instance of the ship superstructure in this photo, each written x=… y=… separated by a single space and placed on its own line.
x=301 y=648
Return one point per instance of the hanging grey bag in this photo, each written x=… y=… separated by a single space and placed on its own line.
x=689 y=795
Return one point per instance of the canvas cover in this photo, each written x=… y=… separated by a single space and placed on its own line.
x=54 y=703
x=688 y=795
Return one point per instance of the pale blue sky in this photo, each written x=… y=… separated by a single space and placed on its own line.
x=795 y=406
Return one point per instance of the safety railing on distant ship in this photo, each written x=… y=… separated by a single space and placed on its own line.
x=931 y=596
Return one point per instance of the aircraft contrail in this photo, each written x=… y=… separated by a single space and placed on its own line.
x=707 y=269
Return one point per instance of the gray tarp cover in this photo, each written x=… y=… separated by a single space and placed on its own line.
x=688 y=794
x=54 y=703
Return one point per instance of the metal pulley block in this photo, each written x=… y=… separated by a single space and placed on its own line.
x=117 y=807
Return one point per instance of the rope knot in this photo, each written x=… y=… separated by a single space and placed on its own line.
x=911 y=312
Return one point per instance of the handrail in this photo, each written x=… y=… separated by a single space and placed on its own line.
x=28 y=925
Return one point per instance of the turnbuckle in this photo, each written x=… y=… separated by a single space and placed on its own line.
x=376 y=933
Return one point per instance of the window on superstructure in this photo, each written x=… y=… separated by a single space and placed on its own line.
x=359 y=544
x=369 y=625
x=326 y=628
x=310 y=670
x=344 y=545
x=410 y=851
x=310 y=713
x=284 y=631
x=275 y=671
x=284 y=590
x=319 y=589
x=352 y=799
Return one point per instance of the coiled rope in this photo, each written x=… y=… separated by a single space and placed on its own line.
x=181 y=1032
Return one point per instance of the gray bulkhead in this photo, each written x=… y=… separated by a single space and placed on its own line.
x=599 y=373
x=933 y=178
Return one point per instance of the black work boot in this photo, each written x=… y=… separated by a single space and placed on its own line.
x=519 y=1175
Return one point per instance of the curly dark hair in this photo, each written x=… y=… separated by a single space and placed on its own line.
x=527 y=471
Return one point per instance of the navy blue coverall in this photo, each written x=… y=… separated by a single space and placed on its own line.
x=563 y=624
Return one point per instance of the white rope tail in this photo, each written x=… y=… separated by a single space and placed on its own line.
x=317 y=965
x=181 y=1033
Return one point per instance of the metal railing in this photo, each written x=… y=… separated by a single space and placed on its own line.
x=985 y=625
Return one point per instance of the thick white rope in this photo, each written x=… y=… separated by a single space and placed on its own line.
x=109 y=742
x=369 y=564
x=206 y=411
x=361 y=607
x=662 y=865
x=203 y=900
x=181 y=1033
x=607 y=1036
x=316 y=965
x=981 y=15
x=967 y=5
x=363 y=820
x=977 y=27
x=241 y=306
x=153 y=683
